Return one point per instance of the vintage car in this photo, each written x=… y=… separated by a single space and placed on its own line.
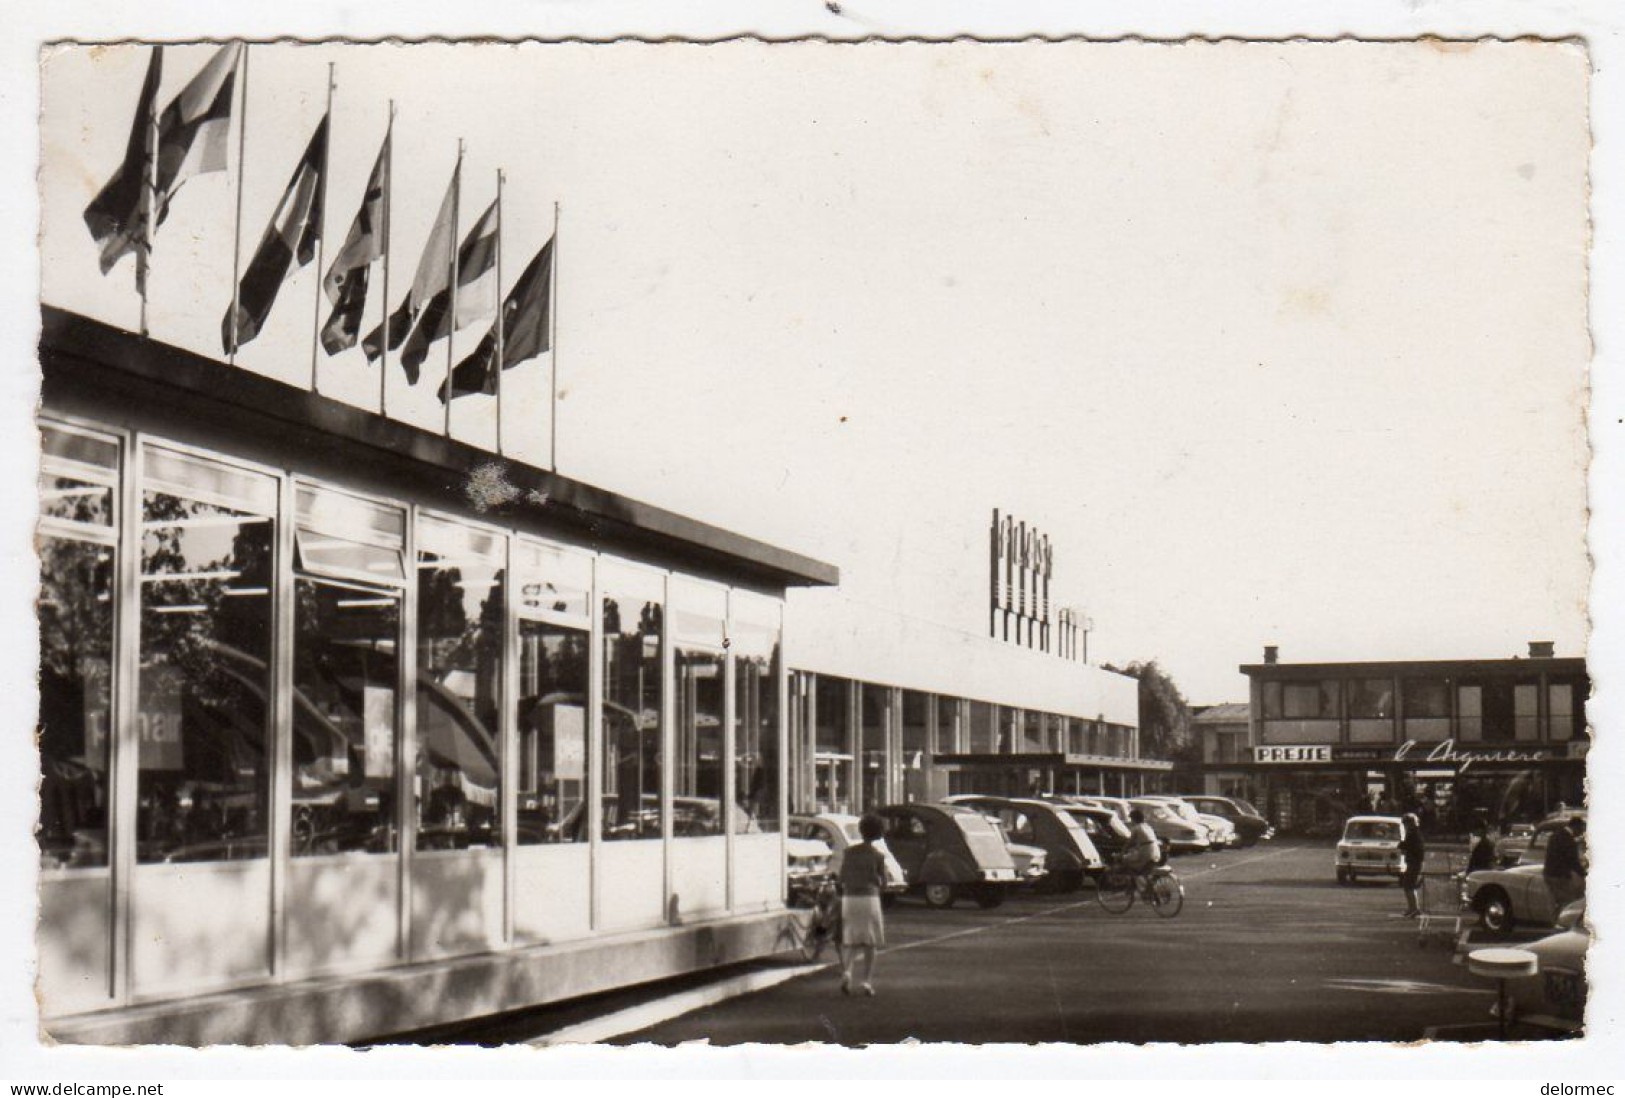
x=1070 y=854
x=948 y=851
x=1251 y=827
x=1510 y=846
x=1104 y=827
x=1221 y=832
x=1370 y=848
x=1504 y=898
x=1173 y=831
x=1554 y=1000
x=837 y=831
x=806 y=866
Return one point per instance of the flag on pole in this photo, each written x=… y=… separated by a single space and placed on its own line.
x=194 y=129
x=288 y=244
x=116 y=216
x=526 y=330
x=476 y=294
x=432 y=277
x=346 y=281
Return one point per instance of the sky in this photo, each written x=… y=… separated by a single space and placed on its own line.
x=1279 y=344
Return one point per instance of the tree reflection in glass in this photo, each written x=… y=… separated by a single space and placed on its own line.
x=632 y=698
x=204 y=680
x=552 y=712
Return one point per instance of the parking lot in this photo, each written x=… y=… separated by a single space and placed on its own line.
x=1268 y=948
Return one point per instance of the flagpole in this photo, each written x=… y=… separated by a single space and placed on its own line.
x=497 y=361
x=553 y=343
x=321 y=234
x=237 y=229
x=144 y=259
x=389 y=200
x=451 y=316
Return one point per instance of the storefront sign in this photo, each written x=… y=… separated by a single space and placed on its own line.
x=1448 y=752
x=1301 y=753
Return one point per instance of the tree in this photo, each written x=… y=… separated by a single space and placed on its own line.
x=1165 y=718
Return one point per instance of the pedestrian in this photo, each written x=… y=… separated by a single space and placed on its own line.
x=1410 y=877
x=862 y=876
x=1564 y=870
x=1483 y=852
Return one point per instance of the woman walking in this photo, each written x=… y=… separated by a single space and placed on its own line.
x=1410 y=878
x=862 y=876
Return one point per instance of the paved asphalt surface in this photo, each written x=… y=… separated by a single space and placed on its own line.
x=1268 y=948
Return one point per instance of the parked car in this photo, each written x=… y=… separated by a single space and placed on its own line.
x=1251 y=827
x=1221 y=832
x=1118 y=805
x=948 y=851
x=1070 y=854
x=1370 y=848
x=1555 y=998
x=806 y=867
x=837 y=831
x=1104 y=827
x=1173 y=831
x=1504 y=898
x=1510 y=846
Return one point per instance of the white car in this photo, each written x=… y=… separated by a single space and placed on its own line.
x=1504 y=898
x=1555 y=998
x=1221 y=832
x=1370 y=848
x=837 y=831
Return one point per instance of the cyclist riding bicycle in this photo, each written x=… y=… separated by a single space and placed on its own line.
x=1143 y=852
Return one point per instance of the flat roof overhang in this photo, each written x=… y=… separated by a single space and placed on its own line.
x=117 y=377
x=1055 y=758
x=1562 y=665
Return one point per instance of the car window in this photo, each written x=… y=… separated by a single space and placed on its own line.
x=907 y=827
x=1372 y=830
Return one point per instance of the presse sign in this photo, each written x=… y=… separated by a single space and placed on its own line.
x=1296 y=753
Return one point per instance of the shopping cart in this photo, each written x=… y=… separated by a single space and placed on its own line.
x=1444 y=907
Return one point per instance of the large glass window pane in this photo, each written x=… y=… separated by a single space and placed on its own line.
x=1470 y=711
x=697 y=763
x=1032 y=732
x=1008 y=730
x=552 y=724
x=983 y=739
x=75 y=700
x=876 y=726
x=459 y=691
x=756 y=742
x=346 y=665
x=950 y=726
x=1426 y=698
x=553 y=580
x=1309 y=700
x=632 y=700
x=205 y=655
x=833 y=758
x=1371 y=699
x=1526 y=710
x=1560 y=707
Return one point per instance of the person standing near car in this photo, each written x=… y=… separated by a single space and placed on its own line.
x=1564 y=871
x=1413 y=851
x=862 y=875
x=1483 y=853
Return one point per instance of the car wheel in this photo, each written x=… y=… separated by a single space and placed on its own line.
x=1495 y=910
x=1344 y=877
x=941 y=895
x=989 y=897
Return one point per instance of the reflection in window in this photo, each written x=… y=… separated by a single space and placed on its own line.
x=697 y=764
x=982 y=738
x=832 y=760
x=1427 y=698
x=1008 y=729
x=345 y=666
x=1562 y=710
x=876 y=702
x=202 y=708
x=949 y=738
x=756 y=742
x=916 y=737
x=1371 y=699
x=632 y=697
x=552 y=733
x=1032 y=732
x=75 y=700
x=459 y=688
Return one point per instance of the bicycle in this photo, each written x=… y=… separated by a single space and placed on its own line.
x=824 y=924
x=1159 y=887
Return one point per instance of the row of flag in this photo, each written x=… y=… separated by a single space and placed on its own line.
x=455 y=285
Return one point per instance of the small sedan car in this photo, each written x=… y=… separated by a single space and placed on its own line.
x=1179 y=835
x=1220 y=831
x=1510 y=847
x=948 y=851
x=1370 y=848
x=1504 y=898
x=1555 y=998
x=1250 y=825
x=836 y=831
